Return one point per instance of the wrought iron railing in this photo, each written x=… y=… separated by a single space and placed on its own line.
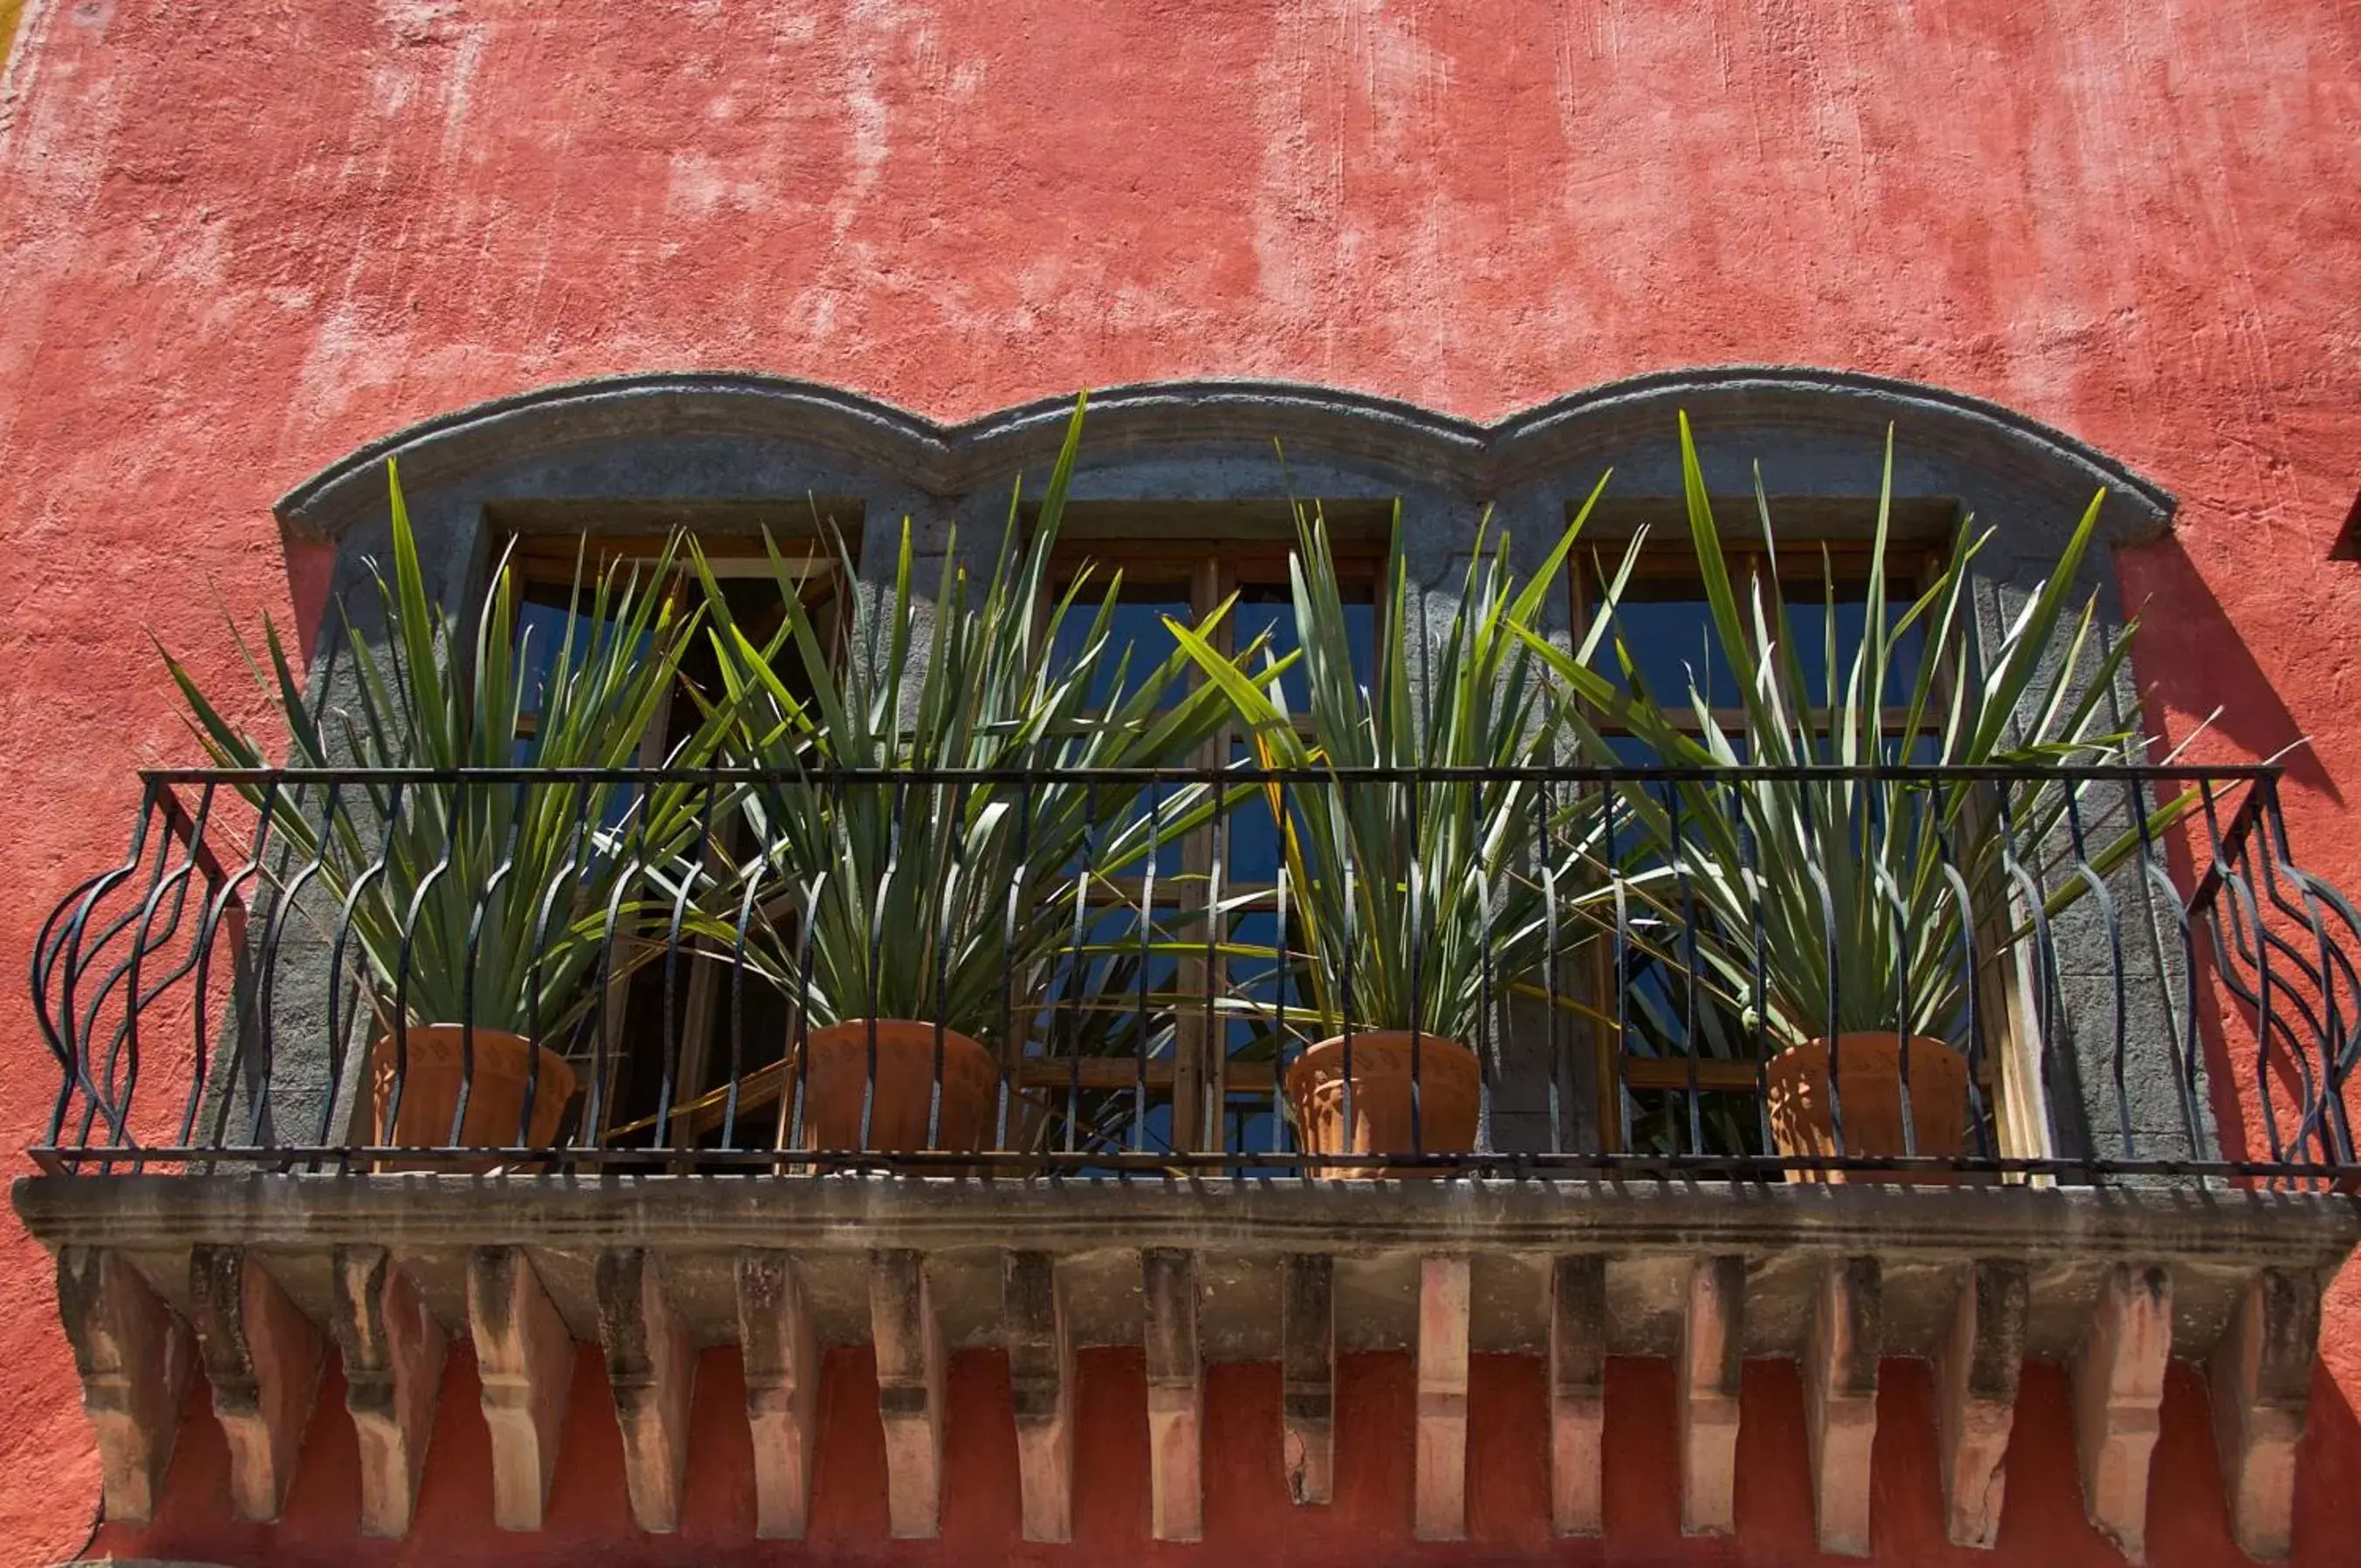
x=2136 y=979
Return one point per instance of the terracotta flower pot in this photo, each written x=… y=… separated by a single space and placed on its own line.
x=837 y=1069
x=1868 y=1068
x=432 y=1063
x=1449 y=1082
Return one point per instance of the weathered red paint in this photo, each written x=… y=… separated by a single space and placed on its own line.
x=237 y=240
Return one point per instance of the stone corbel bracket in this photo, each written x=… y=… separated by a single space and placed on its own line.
x=2110 y=1285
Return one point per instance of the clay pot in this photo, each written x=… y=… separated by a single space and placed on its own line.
x=1449 y=1083
x=1869 y=1065
x=433 y=1059
x=835 y=1069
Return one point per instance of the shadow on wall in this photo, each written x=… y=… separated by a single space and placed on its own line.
x=2192 y=660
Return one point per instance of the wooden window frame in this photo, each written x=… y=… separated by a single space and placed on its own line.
x=549 y=548
x=1803 y=567
x=1169 y=546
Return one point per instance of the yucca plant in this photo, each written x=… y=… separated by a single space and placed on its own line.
x=494 y=906
x=1818 y=908
x=908 y=893
x=1419 y=901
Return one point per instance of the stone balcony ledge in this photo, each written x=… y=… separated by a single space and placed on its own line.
x=267 y=1270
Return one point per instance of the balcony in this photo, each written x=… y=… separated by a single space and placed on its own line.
x=2116 y=1133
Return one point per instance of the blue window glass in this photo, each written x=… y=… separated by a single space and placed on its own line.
x=1270 y=612
x=541 y=628
x=1136 y=642
x=1670 y=637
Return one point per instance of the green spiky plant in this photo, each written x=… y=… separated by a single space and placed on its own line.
x=936 y=900
x=1416 y=899
x=485 y=903
x=1835 y=904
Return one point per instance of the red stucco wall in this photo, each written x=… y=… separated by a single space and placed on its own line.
x=238 y=239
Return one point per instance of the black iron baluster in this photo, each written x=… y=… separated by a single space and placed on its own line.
x=446 y=832
x=942 y=969
x=225 y=899
x=1891 y=794
x=689 y=868
x=59 y=957
x=2044 y=953
x=876 y=958
x=1834 y=1016
x=1758 y=979
x=627 y=878
x=1077 y=974
x=747 y=905
x=1689 y=959
x=1546 y=870
x=1979 y=1121
x=240 y=991
x=797 y=1109
x=148 y=939
x=1352 y=942
x=1627 y=1107
x=2090 y=877
x=1138 y=1136
x=2183 y=1041
x=1283 y=969
x=1417 y=972
x=557 y=895
x=2324 y=1109
x=500 y=874
x=1212 y=1133
x=1012 y=1049
x=1486 y=1040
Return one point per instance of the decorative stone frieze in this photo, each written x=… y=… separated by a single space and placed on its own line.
x=1977 y=1282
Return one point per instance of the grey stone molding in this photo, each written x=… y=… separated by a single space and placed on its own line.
x=717 y=424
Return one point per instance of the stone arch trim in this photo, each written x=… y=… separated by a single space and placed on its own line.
x=1572 y=436
x=1973 y=434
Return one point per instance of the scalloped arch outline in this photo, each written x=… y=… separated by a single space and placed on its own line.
x=1391 y=435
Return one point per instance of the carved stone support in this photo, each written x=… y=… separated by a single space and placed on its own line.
x=263 y=1358
x=1841 y=1399
x=1308 y=1376
x=1176 y=1395
x=1712 y=1338
x=134 y=1357
x=2261 y=1376
x=524 y=1359
x=651 y=1368
x=2118 y=1390
x=783 y=1362
x=393 y=1352
x=1577 y=1373
x=1041 y=1380
x=1976 y=1375
x=909 y=1390
x=1440 y=1480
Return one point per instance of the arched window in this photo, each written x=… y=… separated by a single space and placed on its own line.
x=1185 y=487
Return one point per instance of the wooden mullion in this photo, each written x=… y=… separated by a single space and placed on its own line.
x=1671 y=1072
x=1104 y=1073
